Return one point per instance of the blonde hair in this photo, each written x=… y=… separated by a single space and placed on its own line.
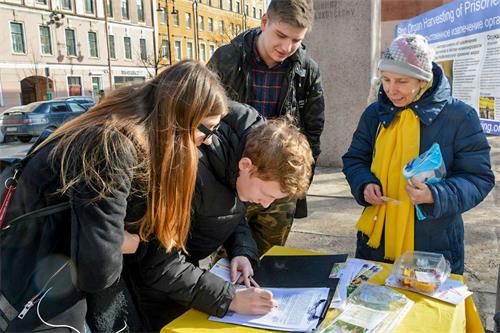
x=145 y=131
x=297 y=13
x=281 y=153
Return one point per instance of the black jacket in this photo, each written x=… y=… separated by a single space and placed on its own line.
x=88 y=237
x=164 y=281
x=301 y=98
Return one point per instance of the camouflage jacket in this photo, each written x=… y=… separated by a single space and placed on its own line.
x=301 y=96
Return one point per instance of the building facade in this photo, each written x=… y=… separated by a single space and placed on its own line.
x=57 y=48
x=194 y=29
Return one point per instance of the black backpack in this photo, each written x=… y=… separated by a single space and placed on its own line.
x=16 y=301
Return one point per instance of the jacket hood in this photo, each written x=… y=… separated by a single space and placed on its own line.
x=427 y=107
x=245 y=40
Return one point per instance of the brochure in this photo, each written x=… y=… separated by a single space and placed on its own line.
x=371 y=309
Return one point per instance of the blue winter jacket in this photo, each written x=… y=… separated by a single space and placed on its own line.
x=455 y=126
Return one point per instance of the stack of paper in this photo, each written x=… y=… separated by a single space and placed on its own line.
x=298 y=310
x=371 y=309
x=351 y=274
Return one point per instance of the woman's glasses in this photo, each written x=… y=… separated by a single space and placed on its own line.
x=207 y=131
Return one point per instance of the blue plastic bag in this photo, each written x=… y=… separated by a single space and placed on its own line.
x=428 y=168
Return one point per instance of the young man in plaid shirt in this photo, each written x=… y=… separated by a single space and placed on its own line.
x=268 y=68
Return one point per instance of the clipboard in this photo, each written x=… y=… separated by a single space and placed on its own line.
x=298 y=271
x=326 y=305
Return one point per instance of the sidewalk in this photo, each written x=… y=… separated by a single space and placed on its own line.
x=333 y=213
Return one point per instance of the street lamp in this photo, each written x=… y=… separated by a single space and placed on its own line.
x=174 y=12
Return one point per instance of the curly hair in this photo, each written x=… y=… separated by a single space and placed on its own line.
x=281 y=153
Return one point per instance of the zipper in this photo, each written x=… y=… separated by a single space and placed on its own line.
x=35 y=299
x=290 y=79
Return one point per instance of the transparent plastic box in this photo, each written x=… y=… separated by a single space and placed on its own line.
x=421 y=271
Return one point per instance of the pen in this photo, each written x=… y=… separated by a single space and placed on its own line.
x=252 y=281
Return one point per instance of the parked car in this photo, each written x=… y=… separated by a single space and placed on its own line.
x=85 y=101
x=27 y=121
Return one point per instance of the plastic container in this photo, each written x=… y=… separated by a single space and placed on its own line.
x=421 y=271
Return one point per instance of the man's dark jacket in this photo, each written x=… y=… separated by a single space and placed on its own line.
x=301 y=96
x=164 y=281
x=455 y=126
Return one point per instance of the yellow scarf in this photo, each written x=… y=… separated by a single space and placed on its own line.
x=394 y=147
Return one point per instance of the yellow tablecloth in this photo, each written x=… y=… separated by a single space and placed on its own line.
x=427 y=315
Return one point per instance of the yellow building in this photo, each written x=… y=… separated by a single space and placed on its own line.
x=181 y=36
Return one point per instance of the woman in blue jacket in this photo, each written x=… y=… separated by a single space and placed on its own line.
x=414 y=110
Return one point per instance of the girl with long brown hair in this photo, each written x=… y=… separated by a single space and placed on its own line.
x=131 y=158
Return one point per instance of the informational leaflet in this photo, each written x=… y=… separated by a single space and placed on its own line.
x=351 y=275
x=222 y=269
x=466 y=37
x=298 y=310
x=370 y=309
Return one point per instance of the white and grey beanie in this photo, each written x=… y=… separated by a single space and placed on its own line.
x=409 y=55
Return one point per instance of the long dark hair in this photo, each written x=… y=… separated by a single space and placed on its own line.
x=145 y=131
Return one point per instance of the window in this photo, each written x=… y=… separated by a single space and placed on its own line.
x=74 y=107
x=210 y=24
x=74 y=86
x=203 y=56
x=163 y=15
x=165 y=50
x=209 y=2
x=238 y=28
x=89 y=6
x=45 y=40
x=110 y=8
x=140 y=10
x=41 y=2
x=17 y=36
x=59 y=107
x=125 y=11
x=177 y=47
x=254 y=12
x=112 y=52
x=220 y=4
x=128 y=47
x=93 y=44
x=66 y=4
x=231 y=28
x=201 y=23
x=211 y=50
x=189 y=50
x=246 y=10
x=188 y=20
x=221 y=27
x=96 y=87
x=144 y=51
x=260 y=13
x=176 y=18
x=231 y=5
x=70 y=42
x=238 y=6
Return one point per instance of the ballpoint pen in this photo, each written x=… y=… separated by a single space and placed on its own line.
x=252 y=281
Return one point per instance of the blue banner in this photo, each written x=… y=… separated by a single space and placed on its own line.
x=457 y=19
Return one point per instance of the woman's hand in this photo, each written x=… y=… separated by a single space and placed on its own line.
x=130 y=242
x=252 y=301
x=373 y=194
x=241 y=264
x=419 y=192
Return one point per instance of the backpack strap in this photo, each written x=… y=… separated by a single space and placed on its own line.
x=49 y=210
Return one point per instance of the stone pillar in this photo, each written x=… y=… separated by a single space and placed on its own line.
x=345 y=42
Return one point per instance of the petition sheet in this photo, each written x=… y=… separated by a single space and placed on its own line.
x=298 y=309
